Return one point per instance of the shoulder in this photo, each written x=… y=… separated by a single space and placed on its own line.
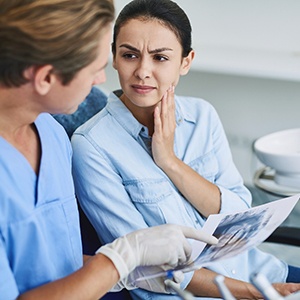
x=51 y=130
x=45 y=120
x=194 y=108
x=186 y=102
x=102 y=120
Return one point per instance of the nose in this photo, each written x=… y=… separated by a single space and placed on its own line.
x=100 y=78
x=143 y=69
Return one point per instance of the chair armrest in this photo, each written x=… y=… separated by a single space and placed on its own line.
x=285 y=235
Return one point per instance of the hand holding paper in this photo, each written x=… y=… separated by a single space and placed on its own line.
x=237 y=232
x=164 y=245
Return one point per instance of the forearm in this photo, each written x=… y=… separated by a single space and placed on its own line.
x=92 y=281
x=202 y=285
x=202 y=194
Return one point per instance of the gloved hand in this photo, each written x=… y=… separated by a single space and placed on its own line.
x=151 y=284
x=154 y=246
x=156 y=284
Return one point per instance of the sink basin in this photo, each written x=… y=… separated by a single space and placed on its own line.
x=281 y=151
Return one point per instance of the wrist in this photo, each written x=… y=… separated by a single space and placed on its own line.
x=171 y=165
x=116 y=259
x=122 y=255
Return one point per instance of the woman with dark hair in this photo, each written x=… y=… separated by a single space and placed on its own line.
x=152 y=157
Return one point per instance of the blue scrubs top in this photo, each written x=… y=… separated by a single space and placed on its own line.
x=39 y=222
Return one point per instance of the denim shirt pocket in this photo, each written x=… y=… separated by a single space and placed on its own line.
x=158 y=201
x=206 y=165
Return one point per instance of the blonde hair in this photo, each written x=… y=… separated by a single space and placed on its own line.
x=62 y=33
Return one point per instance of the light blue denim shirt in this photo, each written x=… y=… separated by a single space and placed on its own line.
x=121 y=189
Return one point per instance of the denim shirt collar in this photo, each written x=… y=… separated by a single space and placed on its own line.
x=121 y=113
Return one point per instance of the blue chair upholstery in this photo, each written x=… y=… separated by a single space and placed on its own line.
x=93 y=103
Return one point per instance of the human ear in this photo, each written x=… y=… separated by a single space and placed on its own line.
x=42 y=78
x=114 y=63
x=186 y=63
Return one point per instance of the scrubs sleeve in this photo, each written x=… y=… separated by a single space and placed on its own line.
x=8 y=286
x=234 y=195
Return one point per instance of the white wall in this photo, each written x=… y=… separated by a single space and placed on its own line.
x=254 y=95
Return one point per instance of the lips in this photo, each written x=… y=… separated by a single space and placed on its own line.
x=143 y=89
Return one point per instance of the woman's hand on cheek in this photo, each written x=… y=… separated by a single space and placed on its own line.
x=164 y=130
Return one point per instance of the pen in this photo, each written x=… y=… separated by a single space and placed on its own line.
x=167 y=274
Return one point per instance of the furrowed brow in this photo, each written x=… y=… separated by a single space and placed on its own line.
x=129 y=47
x=160 y=50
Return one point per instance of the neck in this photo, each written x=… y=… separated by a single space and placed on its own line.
x=143 y=114
x=15 y=109
x=17 y=124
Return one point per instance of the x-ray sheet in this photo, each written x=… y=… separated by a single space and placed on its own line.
x=242 y=230
x=236 y=232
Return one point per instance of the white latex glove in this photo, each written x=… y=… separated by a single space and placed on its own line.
x=154 y=284
x=154 y=246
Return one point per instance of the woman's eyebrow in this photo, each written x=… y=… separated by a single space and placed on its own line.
x=150 y=51
x=160 y=50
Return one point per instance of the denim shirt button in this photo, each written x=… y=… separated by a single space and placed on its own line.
x=233 y=271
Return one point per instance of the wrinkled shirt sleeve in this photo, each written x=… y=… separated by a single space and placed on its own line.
x=99 y=189
x=234 y=195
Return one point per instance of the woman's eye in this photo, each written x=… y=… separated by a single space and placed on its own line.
x=129 y=55
x=160 y=58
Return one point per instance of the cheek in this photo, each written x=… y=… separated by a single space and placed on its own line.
x=176 y=77
x=123 y=69
x=167 y=82
x=123 y=74
x=175 y=82
x=168 y=76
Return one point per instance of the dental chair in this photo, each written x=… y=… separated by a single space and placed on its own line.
x=93 y=103
x=285 y=235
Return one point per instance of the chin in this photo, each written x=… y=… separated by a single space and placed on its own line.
x=145 y=105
